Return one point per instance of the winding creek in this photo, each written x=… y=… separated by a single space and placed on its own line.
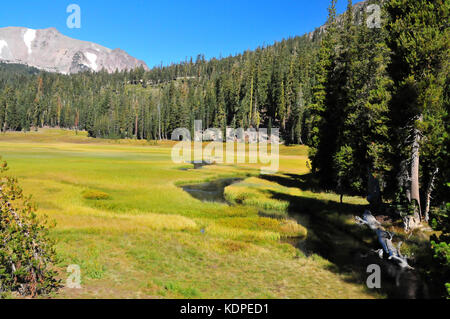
x=348 y=254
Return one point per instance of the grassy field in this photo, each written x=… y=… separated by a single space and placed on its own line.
x=122 y=217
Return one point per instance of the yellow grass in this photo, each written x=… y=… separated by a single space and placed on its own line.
x=137 y=234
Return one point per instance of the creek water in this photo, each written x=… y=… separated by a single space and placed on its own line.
x=211 y=191
x=347 y=253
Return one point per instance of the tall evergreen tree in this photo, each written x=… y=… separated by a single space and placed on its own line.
x=419 y=41
x=320 y=100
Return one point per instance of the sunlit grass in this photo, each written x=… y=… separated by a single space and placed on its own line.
x=122 y=217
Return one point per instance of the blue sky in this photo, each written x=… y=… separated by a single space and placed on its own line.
x=170 y=30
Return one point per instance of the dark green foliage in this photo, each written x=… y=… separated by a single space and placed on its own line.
x=419 y=42
x=349 y=120
x=246 y=90
x=18 y=69
x=322 y=140
x=27 y=254
x=380 y=108
x=441 y=244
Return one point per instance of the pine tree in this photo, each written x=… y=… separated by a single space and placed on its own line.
x=339 y=109
x=419 y=41
x=323 y=109
x=38 y=104
x=364 y=140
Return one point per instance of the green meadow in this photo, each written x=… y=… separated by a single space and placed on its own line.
x=122 y=216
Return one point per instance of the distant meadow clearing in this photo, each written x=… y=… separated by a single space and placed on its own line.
x=122 y=216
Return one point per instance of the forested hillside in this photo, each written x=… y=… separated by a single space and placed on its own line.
x=271 y=84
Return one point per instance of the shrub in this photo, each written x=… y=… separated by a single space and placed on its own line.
x=27 y=254
x=95 y=195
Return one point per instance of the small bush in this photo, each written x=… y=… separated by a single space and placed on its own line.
x=27 y=255
x=95 y=195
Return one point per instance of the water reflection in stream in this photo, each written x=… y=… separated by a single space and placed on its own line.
x=211 y=191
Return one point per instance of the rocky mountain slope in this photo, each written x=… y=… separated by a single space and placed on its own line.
x=52 y=51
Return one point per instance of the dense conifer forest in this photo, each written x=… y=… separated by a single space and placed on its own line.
x=268 y=86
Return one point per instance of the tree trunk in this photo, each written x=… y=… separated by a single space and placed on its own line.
x=430 y=189
x=136 y=125
x=413 y=191
x=373 y=188
x=415 y=188
x=385 y=240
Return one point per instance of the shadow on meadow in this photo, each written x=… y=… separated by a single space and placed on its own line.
x=303 y=182
x=330 y=234
x=333 y=236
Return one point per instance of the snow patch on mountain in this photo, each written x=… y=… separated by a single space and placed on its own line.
x=5 y=52
x=3 y=44
x=92 y=60
x=28 y=38
x=50 y=50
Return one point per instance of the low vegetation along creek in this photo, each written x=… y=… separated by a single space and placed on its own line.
x=139 y=225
